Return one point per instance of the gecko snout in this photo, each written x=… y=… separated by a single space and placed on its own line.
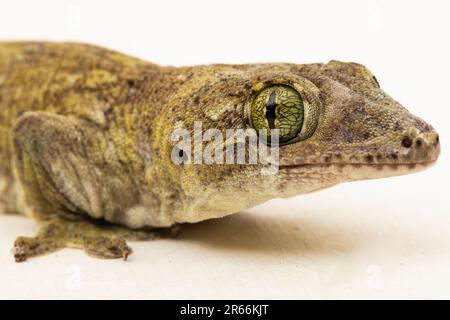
x=420 y=146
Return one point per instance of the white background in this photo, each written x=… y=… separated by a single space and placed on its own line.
x=386 y=238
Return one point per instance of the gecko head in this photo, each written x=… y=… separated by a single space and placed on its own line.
x=334 y=121
x=361 y=132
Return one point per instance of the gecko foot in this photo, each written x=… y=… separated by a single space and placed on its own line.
x=107 y=248
x=27 y=247
x=96 y=238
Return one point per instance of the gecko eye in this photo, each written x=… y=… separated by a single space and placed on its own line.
x=281 y=107
x=278 y=107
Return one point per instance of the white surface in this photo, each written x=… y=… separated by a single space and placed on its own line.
x=376 y=239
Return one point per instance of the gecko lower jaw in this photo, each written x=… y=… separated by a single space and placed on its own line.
x=357 y=171
x=320 y=176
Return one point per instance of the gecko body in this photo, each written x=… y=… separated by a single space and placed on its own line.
x=86 y=146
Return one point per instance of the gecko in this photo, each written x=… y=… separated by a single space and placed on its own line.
x=86 y=148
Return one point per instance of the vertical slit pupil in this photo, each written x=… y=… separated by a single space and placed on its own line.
x=270 y=110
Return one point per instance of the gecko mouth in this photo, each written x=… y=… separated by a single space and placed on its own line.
x=410 y=165
x=416 y=152
x=358 y=171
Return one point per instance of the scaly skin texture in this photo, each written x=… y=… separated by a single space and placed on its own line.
x=86 y=151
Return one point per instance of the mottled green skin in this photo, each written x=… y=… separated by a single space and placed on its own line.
x=87 y=133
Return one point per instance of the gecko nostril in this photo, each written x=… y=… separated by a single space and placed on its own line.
x=407 y=142
x=418 y=143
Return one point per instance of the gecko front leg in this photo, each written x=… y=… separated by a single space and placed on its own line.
x=58 y=233
x=60 y=166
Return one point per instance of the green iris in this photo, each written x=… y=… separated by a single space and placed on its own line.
x=278 y=107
